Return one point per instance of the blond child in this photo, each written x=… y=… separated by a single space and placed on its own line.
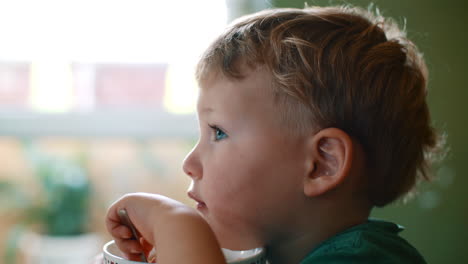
x=309 y=118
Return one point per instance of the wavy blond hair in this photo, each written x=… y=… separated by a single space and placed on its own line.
x=342 y=67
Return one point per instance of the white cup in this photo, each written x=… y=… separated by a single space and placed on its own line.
x=112 y=255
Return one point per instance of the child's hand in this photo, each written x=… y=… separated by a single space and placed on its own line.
x=163 y=223
x=139 y=207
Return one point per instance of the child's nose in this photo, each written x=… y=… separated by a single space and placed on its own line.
x=192 y=166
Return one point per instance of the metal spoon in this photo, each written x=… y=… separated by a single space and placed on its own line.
x=126 y=221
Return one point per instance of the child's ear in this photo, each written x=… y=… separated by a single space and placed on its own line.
x=330 y=157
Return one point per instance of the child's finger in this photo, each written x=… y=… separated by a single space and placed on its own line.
x=112 y=219
x=145 y=245
x=122 y=231
x=133 y=257
x=152 y=256
x=129 y=246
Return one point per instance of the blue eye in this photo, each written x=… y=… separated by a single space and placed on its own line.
x=218 y=133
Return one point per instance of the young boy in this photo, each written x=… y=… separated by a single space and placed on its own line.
x=308 y=119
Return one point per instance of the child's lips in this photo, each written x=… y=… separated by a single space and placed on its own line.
x=200 y=204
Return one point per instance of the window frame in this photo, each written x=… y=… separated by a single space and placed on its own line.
x=141 y=123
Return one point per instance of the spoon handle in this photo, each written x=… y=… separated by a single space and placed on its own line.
x=126 y=221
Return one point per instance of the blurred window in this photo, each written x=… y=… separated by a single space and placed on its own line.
x=100 y=57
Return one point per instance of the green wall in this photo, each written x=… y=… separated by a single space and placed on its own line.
x=436 y=221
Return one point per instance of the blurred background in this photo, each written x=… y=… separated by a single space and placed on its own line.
x=97 y=99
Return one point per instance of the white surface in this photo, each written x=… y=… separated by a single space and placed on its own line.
x=257 y=255
x=38 y=249
x=144 y=123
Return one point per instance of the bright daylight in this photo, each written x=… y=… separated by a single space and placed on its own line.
x=64 y=42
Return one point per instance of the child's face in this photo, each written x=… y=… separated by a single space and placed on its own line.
x=247 y=171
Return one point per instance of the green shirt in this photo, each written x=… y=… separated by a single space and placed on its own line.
x=375 y=241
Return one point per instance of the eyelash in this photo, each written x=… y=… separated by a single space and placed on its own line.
x=216 y=129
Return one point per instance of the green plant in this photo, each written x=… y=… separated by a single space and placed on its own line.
x=60 y=206
x=65 y=198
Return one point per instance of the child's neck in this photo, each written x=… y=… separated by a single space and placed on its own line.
x=310 y=233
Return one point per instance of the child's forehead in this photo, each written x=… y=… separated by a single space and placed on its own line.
x=258 y=79
x=254 y=88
